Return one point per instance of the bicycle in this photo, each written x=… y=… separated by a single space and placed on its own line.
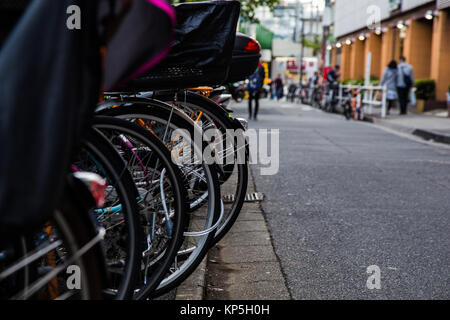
x=33 y=265
x=317 y=97
x=331 y=98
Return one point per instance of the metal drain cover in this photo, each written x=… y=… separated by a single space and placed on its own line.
x=250 y=197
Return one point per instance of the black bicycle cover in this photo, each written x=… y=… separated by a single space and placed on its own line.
x=205 y=34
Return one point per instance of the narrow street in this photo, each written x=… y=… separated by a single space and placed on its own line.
x=349 y=195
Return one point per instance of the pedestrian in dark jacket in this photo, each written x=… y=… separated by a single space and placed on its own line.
x=405 y=82
x=279 y=87
x=255 y=84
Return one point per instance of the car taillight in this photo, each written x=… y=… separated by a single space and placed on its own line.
x=253 y=46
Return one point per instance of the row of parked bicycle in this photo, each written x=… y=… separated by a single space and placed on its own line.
x=140 y=203
x=326 y=98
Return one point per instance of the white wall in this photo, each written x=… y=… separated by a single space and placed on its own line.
x=410 y=4
x=285 y=48
x=328 y=16
x=442 y=4
x=351 y=15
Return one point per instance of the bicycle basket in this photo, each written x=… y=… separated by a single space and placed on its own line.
x=201 y=52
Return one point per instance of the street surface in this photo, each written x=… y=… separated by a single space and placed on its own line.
x=349 y=195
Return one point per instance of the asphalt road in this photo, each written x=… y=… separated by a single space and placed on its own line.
x=349 y=195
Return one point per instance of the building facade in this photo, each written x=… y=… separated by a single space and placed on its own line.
x=416 y=29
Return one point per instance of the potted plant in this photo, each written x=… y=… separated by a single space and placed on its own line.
x=425 y=91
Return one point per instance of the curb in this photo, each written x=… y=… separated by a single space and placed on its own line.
x=421 y=133
x=193 y=288
x=368 y=119
x=430 y=135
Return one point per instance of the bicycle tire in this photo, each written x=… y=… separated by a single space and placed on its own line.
x=111 y=162
x=81 y=228
x=105 y=124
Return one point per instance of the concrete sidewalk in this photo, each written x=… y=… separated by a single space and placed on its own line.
x=243 y=266
x=428 y=127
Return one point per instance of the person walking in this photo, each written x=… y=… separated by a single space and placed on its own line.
x=279 y=87
x=332 y=89
x=405 y=81
x=255 y=84
x=273 y=91
x=314 y=81
x=390 y=79
x=334 y=75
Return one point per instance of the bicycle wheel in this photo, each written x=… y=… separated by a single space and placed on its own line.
x=35 y=265
x=233 y=174
x=205 y=112
x=119 y=216
x=162 y=196
x=177 y=132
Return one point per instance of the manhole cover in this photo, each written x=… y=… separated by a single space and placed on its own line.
x=250 y=197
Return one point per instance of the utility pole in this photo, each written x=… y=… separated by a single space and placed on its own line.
x=302 y=50
x=296 y=16
x=314 y=18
